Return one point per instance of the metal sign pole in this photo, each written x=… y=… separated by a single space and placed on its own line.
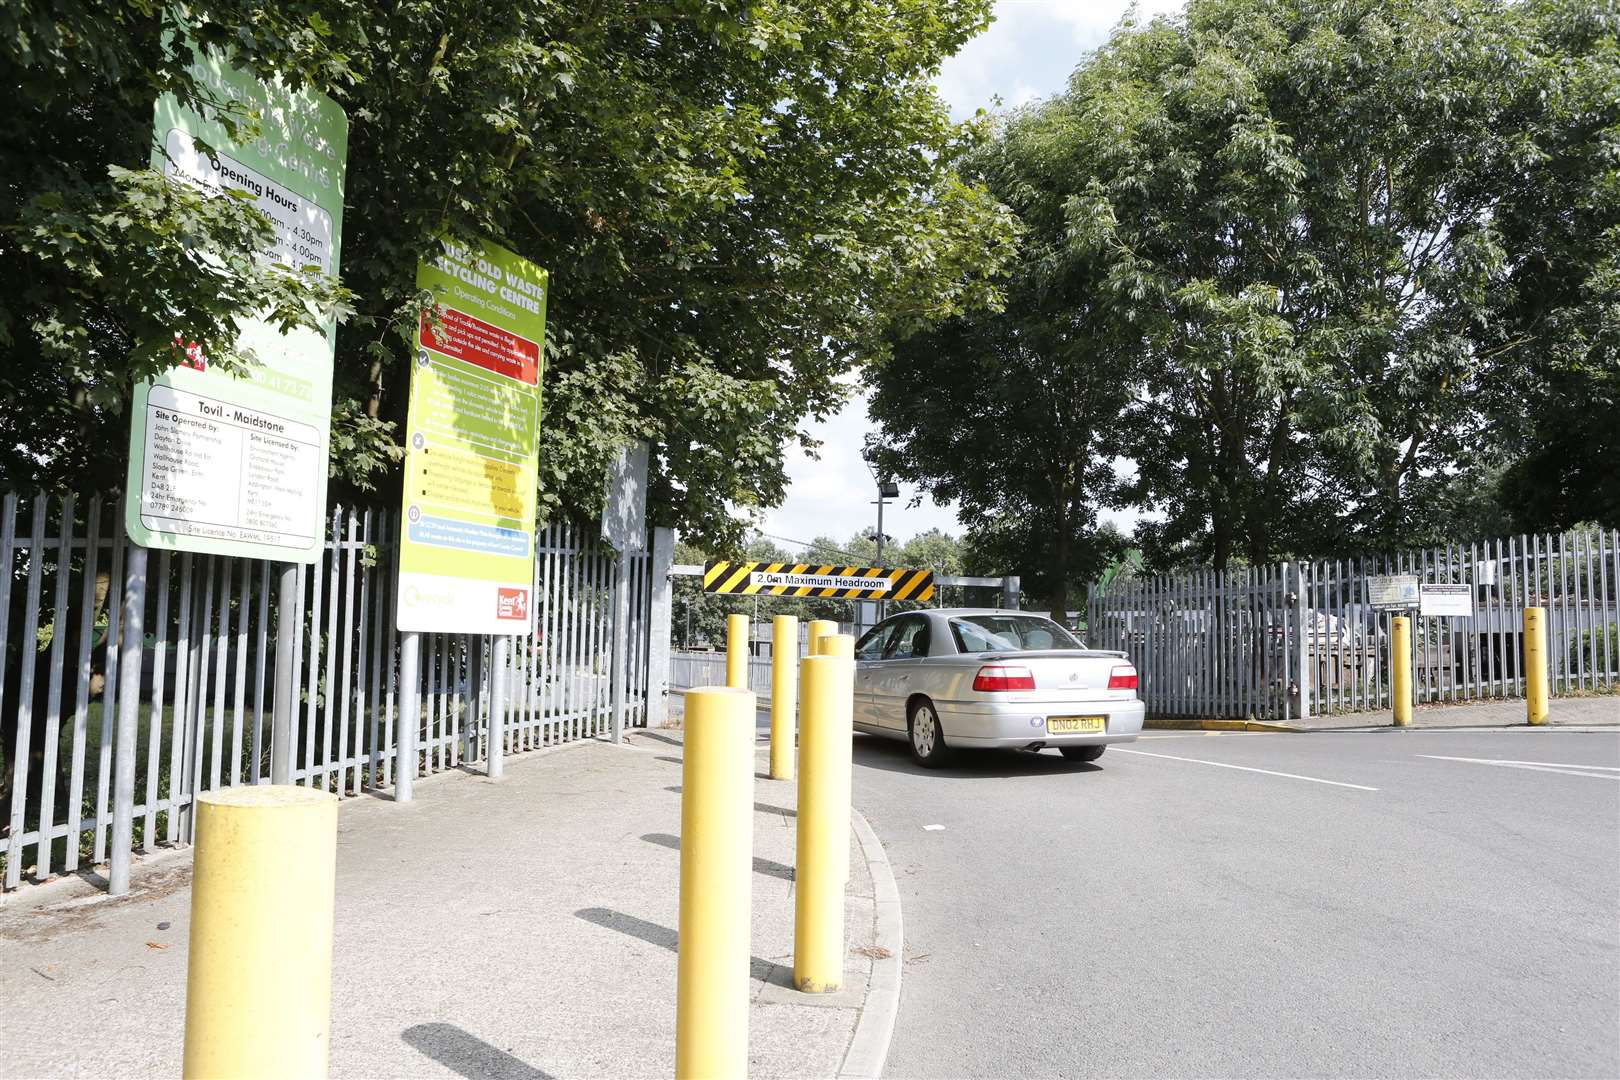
x=497 y=706
x=410 y=714
x=286 y=692
x=131 y=639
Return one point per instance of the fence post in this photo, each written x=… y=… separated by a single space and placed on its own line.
x=495 y=753
x=1400 y=661
x=737 y=652
x=259 y=973
x=1010 y=591
x=660 y=613
x=1535 y=664
x=410 y=714
x=717 y=836
x=827 y=696
x=1299 y=690
x=131 y=639
x=784 y=693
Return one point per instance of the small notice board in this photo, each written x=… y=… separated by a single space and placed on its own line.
x=1392 y=592
x=1452 y=600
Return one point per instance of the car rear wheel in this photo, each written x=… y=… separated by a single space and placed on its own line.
x=1082 y=753
x=926 y=736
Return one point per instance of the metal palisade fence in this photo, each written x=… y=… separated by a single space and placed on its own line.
x=1300 y=639
x=208 y=671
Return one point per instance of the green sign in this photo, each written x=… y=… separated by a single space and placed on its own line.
x=230 y=465
x=466 y=563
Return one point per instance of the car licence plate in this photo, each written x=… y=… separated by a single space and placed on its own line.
x=1076 y=725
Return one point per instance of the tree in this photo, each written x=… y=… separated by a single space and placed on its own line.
x=1331 y=250
x=735 y=200
x=1303 y=205
x=1014 y=413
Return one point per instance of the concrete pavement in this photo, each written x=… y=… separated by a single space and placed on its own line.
x=1594 y=710
x=1387 y=903
x=518 y=929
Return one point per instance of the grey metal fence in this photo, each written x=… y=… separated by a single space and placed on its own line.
x=1207 y=644
x=689 y=669
x=1299 y=639
x=1572 y=575
x=207 y=673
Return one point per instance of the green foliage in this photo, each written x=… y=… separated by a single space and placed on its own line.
x=1328 y=253
x=1596 y=650
x=736 y=201
x=1024 y=441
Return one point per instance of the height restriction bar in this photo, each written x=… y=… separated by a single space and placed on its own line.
x=826 y=581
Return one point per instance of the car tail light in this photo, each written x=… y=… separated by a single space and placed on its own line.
x=1122 y=677
x=993 y=677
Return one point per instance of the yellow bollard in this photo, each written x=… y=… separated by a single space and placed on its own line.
x=837 y=645
x=1535 y=664
x=819 y=628
x=1400 y=659
x=737 y=652
x=784 y=693
x=259 y=976
x=843 y=645
x=826 y=705
x=717 y=861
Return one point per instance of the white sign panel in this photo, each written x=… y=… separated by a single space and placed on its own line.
x=214 y=469
x=1392 y=592
x=1453 y=600
x=767 y=580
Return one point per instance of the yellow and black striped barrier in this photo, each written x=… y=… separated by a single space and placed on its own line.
x=810 y=579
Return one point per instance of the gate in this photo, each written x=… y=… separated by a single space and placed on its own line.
x=208 y=671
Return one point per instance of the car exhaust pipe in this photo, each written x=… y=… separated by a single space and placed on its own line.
x=1036 y=746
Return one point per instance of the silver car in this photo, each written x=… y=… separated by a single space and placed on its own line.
x=961 y=678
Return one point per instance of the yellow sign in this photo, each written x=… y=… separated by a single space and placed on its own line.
x=809 y=579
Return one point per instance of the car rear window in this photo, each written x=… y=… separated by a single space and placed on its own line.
x=1009 y=633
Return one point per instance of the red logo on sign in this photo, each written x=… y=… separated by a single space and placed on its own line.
x=512 y=604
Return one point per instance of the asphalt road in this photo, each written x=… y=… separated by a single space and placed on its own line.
x=1415 y=915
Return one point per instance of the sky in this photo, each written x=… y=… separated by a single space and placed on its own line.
x=1027 y=54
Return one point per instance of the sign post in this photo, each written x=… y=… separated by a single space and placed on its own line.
x=236 y=465
x=466 y=562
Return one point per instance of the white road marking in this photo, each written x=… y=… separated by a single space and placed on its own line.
x=1245 y=768
x=933 y=828
x=1599 y=772
x=1187 y=735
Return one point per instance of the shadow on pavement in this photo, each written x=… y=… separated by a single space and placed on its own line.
x=467 y=1054
x=761 y=866
x=892 y=755
x=665 y=938
x=660 y=738
x=759 y=807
